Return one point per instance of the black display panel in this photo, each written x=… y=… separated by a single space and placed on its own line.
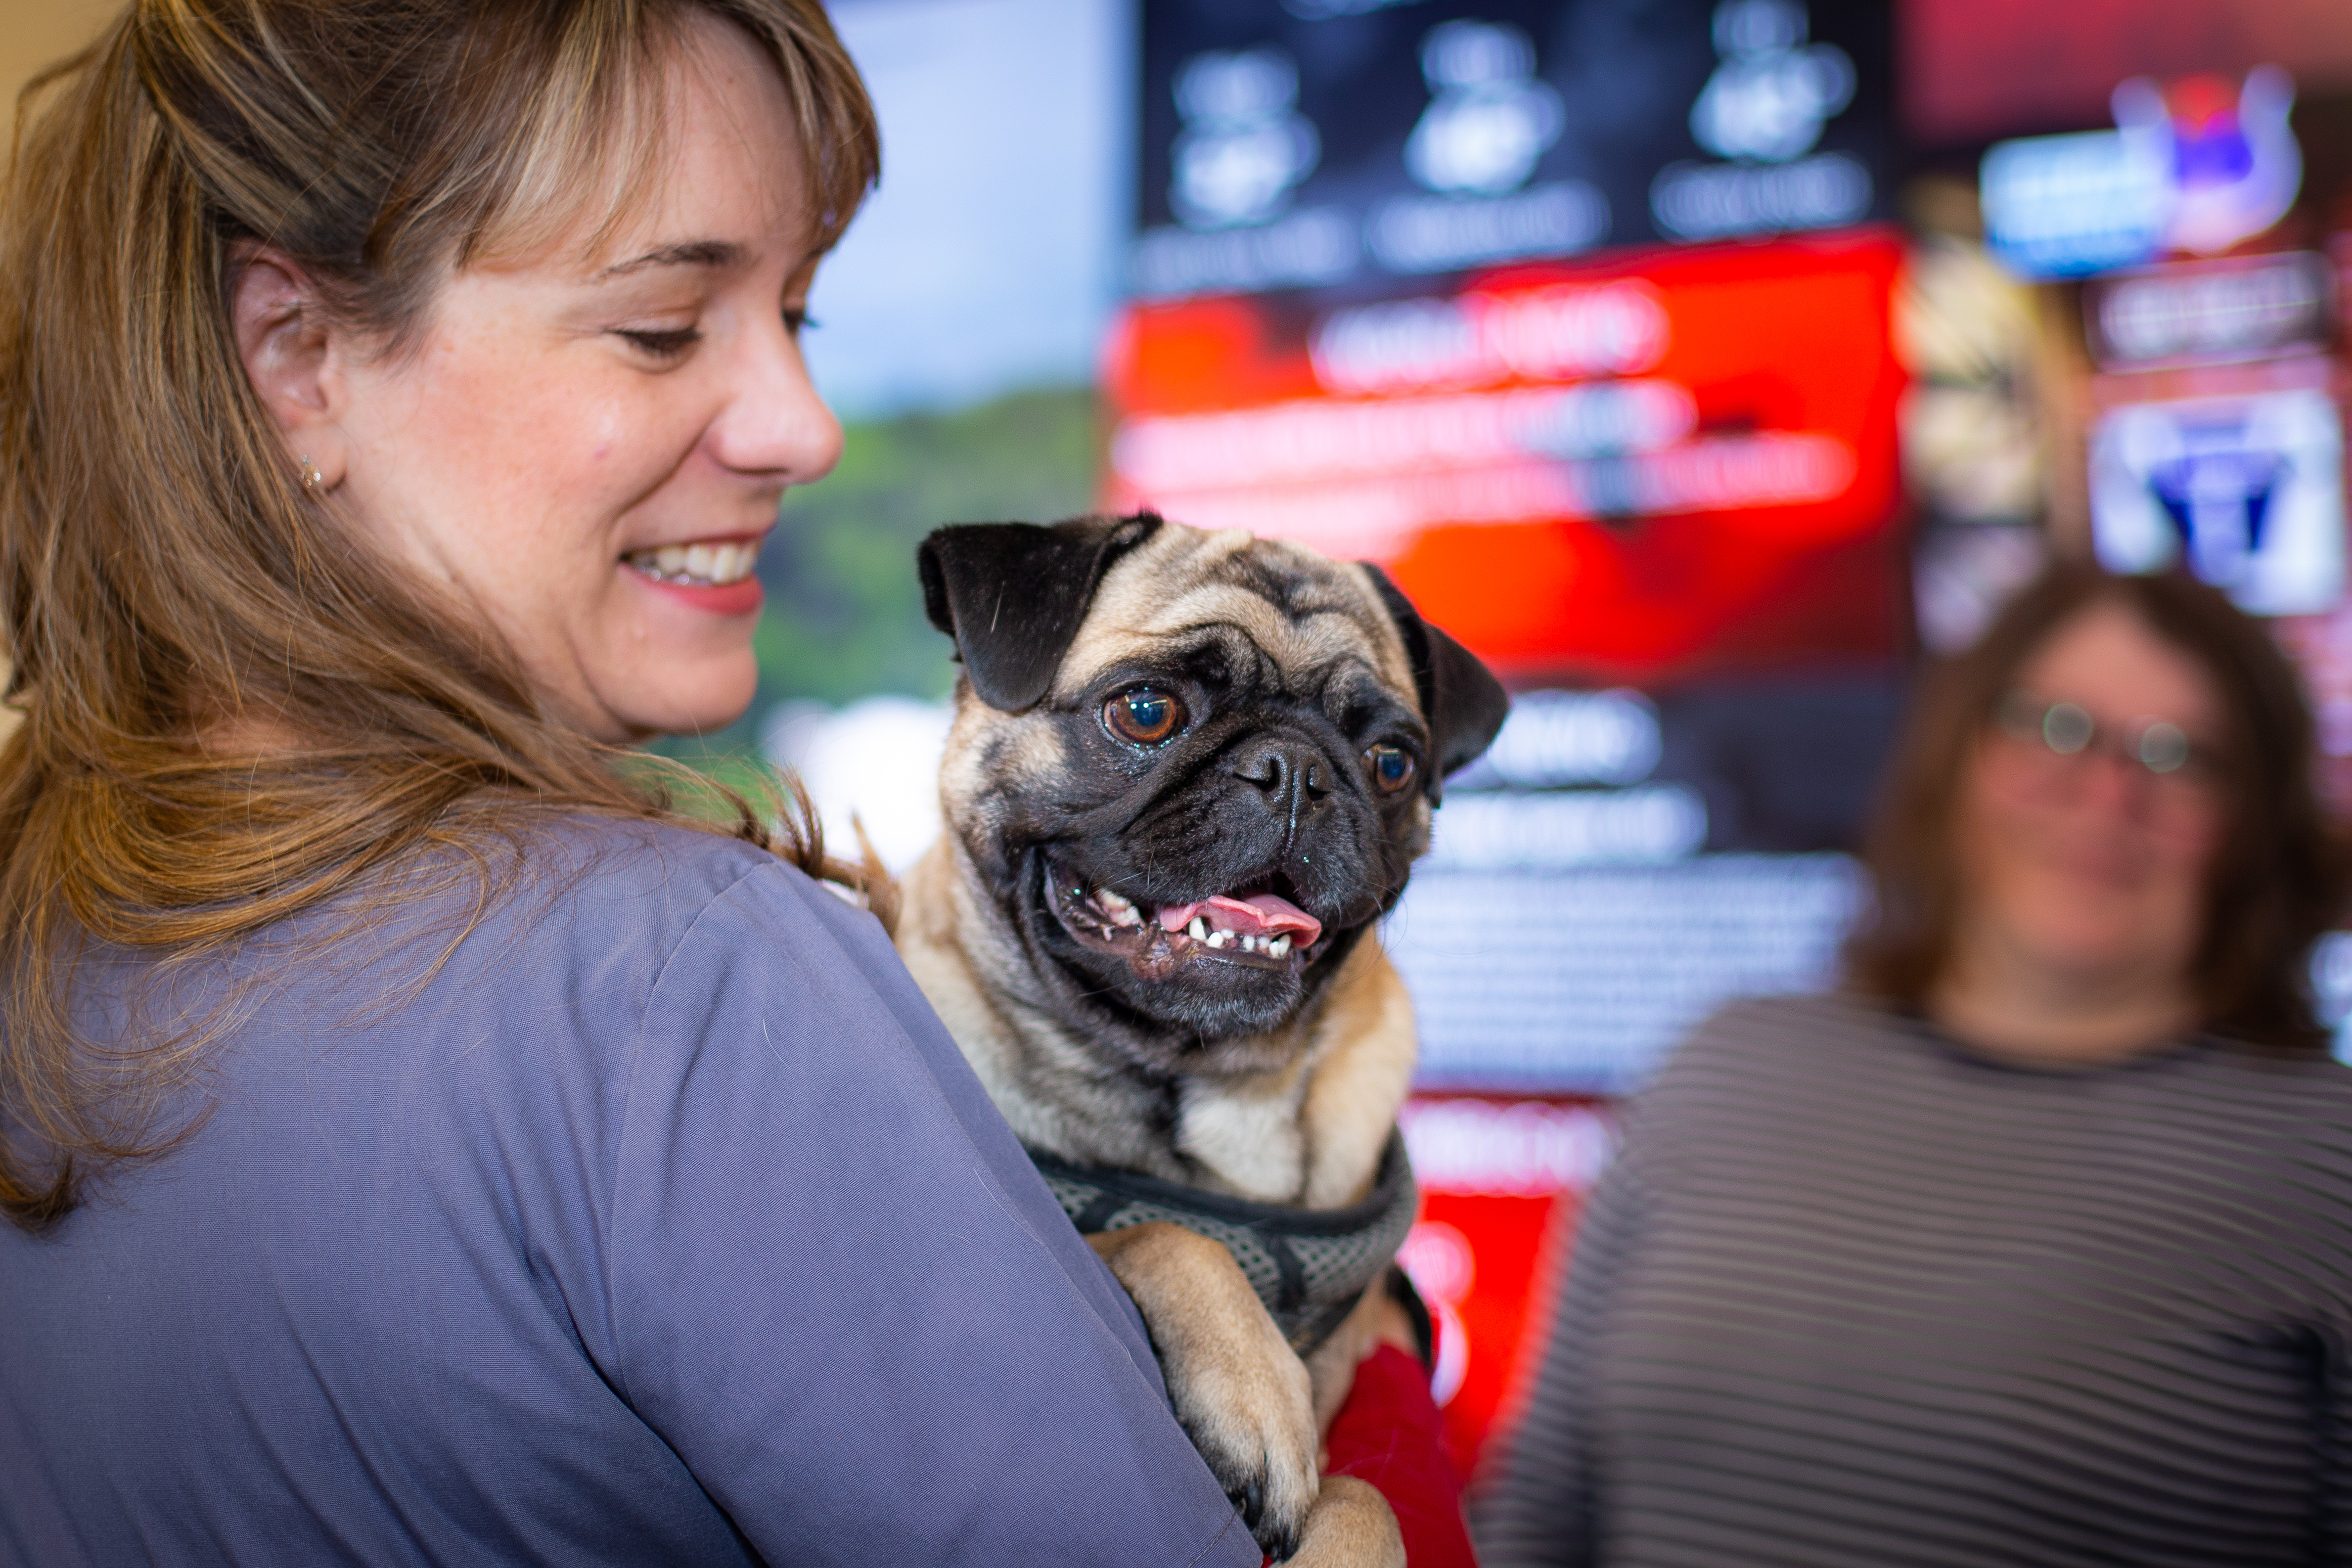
x=1349 y=145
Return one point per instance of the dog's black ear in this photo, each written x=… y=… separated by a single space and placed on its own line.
x=1013 y=595
x=1461 y=701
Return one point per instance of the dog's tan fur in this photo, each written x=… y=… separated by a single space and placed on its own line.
x=1307 y=1129
x=1298 y=1115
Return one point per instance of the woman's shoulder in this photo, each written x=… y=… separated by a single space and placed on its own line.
x=582 y=919
x=1811 y=1012
x=588 y=883
x=570 y=979
x=1766 y=1051
x=679 y=865
x=1775 y=1033
x=2297 y=1100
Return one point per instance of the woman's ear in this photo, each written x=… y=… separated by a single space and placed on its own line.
x=293 y=357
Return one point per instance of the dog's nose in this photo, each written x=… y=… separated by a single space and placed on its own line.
x=1286 y=770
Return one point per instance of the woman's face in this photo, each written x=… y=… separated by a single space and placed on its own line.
x=590 y=447
x=2085 y=865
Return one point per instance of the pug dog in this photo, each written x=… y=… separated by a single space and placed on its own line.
x=1187 y=772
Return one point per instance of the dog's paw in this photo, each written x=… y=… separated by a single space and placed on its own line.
x=1351 y=1526
x=1241 y=1392
x=1245 y=1402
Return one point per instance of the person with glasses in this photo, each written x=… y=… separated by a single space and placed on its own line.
x=2033 y=1243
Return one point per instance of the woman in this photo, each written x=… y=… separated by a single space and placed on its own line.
x=2034 y=1244
x=420 y=1146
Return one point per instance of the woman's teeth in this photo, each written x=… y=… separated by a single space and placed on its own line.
x=701 y=566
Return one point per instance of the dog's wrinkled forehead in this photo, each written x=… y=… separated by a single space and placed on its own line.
x=1308 y=615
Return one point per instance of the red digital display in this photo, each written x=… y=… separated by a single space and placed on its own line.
x=1664 y=465
x=1502 y=1182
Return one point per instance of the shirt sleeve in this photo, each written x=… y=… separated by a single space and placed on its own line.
x=842 y=1294
x=1538 y=1502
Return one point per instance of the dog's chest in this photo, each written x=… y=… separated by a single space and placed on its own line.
x=1250 y=1137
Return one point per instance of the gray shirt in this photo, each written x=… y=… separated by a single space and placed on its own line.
x=661 y=1223
x=1856 y=1297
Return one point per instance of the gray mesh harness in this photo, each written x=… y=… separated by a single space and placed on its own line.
x=1307 y=1265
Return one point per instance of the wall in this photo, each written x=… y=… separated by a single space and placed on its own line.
x=34 y=32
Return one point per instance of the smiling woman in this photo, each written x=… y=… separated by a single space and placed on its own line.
x=353 y=567
x=488 y=1164
x=644 y=357
x=2035 y=1246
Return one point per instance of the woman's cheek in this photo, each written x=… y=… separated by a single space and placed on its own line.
x=625 y=449
x=1996 y=801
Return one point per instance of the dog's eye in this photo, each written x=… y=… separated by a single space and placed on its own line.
x=1145 y=716
x=1390 y=766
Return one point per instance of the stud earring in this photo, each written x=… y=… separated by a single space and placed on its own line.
x=312 y=480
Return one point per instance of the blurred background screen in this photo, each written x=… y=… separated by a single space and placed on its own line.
x=1701 y=365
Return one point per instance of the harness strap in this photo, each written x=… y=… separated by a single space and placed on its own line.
x=1309 y=1265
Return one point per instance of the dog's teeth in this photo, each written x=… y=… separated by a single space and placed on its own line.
x=1220 y=938
x=1111 y=901
x=1199 y=930
x=1249 y=944
x=1279 y=947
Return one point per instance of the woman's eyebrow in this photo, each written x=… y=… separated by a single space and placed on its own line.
x=711 y=253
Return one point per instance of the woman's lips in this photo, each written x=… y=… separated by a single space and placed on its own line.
x=714 y=576
x=740 y=598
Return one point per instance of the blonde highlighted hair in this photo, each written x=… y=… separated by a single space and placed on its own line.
x=167 y=583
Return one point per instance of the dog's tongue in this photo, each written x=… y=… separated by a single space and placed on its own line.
x=1261 y=913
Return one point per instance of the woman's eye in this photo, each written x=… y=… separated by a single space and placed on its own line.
x=663 y=345
x=1145 y=716
x=797 y=320
x=1390 y=767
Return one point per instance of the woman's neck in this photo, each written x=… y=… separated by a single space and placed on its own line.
x=2009 y=1006
x=242 y=732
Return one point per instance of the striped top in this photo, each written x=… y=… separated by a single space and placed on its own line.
x=1856 y=1295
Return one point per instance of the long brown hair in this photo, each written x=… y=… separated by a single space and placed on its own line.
x=166 y=583
x=2280 y=877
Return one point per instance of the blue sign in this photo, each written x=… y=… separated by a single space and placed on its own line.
x=2194 y=167
x=2067 y=206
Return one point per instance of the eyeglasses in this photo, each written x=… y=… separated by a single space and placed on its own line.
x=2068 y=730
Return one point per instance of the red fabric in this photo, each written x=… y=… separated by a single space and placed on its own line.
x=1388 y=1434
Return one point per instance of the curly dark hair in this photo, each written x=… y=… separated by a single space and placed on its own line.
x=2279 y=881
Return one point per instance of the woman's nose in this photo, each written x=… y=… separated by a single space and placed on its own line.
x=2112 y=784
x=774 y=422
